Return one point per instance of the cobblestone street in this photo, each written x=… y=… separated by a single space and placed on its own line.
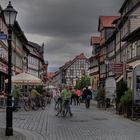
x=86 y=124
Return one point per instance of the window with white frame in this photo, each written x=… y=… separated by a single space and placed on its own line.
x=3 y=54
x=71 y=72
x=129 y=54
x=133 y=49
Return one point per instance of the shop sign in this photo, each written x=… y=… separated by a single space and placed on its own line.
x=3 y=37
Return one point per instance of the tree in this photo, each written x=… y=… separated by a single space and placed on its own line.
x=84 y=82
x=40 y=89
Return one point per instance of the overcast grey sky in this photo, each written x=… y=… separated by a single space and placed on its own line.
x=65 y=26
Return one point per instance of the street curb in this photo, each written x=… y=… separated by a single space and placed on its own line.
x=121 y=117
x=93 y=103
x=16 y=135
x=2 y=109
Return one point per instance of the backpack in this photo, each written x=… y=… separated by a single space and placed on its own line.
x=88 y=97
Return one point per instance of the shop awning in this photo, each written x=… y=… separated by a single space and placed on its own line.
x=119 y=78
x=25 y=79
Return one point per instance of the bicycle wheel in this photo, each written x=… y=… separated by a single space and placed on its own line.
x=58 y=108
x=26 y=105
x=43 y=105
x=35 y=106
x=136 y=114
x=64 y=113
x=135 y=117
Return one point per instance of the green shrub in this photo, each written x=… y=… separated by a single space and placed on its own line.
x=84 y=82
x=100 y=94
x=40 y=89
x=126 y=99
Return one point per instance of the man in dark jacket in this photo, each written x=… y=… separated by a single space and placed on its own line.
x=87 y=94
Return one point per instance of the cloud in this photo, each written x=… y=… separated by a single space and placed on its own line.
x=64 y=25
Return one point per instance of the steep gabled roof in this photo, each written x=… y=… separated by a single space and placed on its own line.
x=36 y=50
x=19 y=33
x=106 y=21
x=36 y=46
x=65 y=65
x=123 y=5
x=68 y=64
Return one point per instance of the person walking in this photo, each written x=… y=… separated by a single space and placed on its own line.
x=66 y=96
x=78 y=94
x=87 y=94
x=73 y=96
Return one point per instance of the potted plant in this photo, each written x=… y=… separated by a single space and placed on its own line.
x=126 y=102
x=120 y=91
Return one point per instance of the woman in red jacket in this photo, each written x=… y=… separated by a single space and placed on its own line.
x=78 y=94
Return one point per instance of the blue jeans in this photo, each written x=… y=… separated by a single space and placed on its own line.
x=66 y=105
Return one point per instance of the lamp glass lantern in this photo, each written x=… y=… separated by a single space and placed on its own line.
x=106 y=61
x=10 y=15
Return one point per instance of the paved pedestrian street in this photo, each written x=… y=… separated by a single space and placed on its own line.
x=86 y=124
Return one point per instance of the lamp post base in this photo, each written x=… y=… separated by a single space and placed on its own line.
x=9 y=131
x=9 y=117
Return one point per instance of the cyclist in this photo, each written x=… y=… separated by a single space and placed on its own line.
x=66 y=96
x=34 y=95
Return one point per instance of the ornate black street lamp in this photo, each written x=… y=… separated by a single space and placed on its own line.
x=10 y=16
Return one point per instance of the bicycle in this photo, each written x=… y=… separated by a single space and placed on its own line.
x=29 y=104
x=58 y=106
x=135 y=112
x=62 y=108
x=21 y=103
x=40 y=102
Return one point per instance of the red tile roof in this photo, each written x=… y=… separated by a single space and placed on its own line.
x=51 y=74
x=107 y=20
x=95 y=40
x=82 y=56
